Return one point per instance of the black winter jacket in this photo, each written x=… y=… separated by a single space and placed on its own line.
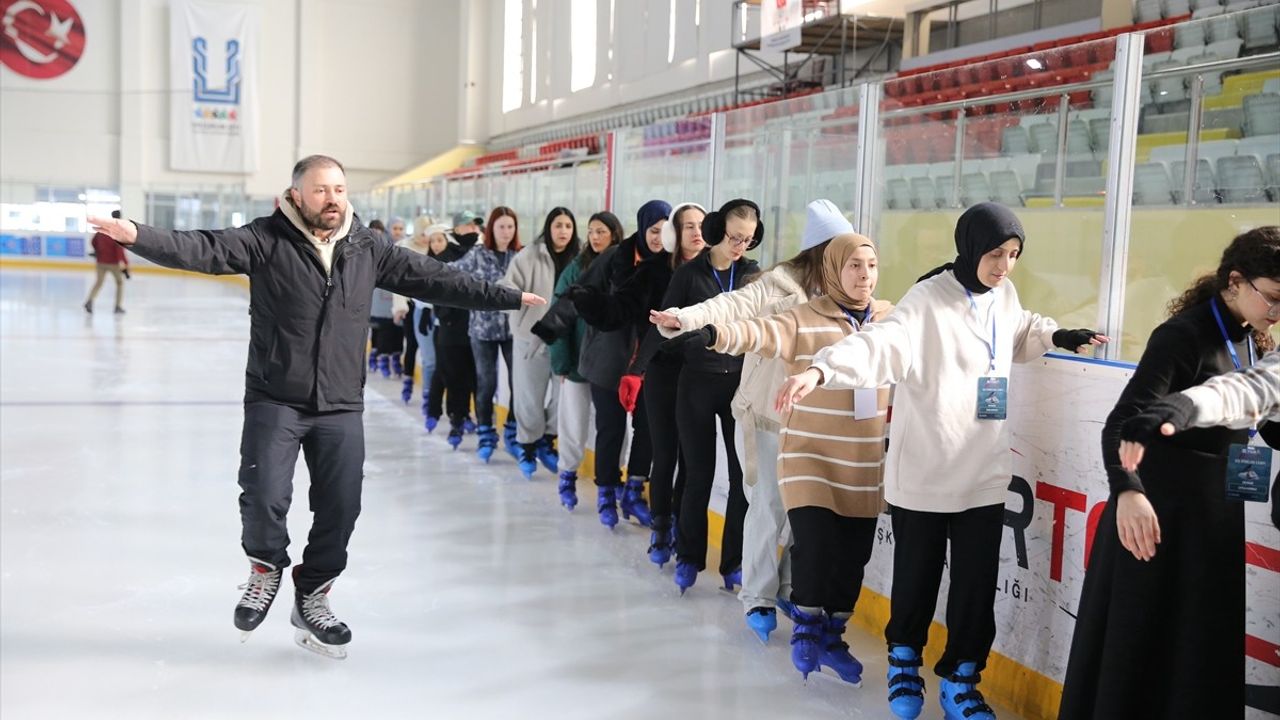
x=308 y=330
x=453 y=325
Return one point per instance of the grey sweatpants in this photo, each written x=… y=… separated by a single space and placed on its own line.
x=765 y=576
x=333 y=446
x=537 y=397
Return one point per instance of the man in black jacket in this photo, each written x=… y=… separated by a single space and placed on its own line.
x=312 y=269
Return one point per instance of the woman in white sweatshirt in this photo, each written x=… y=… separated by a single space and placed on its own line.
x=766 y=575
x=948 y=346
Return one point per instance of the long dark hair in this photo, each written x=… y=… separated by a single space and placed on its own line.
x=609 y=220
x=1253 y=254
x=807 y=265
x=545 y=236
x=499 y=212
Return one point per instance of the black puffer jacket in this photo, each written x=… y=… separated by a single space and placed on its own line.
x=308 y=329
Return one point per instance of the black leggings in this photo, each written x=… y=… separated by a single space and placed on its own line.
x=666 y=487
x=388 y=337
x=611 y=431
x=828 y=557
x=701 y=398
x=455 y=377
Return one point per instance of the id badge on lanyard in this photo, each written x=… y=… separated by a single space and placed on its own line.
x=866 y=401
x=1247 y=465
x=993 y=390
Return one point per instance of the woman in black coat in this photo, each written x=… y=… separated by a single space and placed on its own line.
x=1160 y=629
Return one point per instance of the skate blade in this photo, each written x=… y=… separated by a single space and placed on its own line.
x=306 y=640
x=244 y=635
x=834 y=677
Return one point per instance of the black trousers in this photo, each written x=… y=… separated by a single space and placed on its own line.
x=919 y=550
x=701 y=398
x=611 y=432
x=388 y=337
x=666 y=485
x=454 y=379
x=410 y=359
x=829 y=555
x=333 y=447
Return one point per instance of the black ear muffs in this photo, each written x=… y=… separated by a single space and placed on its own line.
x=713 y=224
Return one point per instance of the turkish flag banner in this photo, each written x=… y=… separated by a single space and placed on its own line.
x=41 y=39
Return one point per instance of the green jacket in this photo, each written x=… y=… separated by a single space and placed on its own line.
x=566 y=351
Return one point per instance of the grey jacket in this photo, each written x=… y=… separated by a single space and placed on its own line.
x=309 y=328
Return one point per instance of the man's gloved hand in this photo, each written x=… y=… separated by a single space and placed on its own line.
x=629 y=391
x=543 y=332
x=700 y=339
x=1176 y=410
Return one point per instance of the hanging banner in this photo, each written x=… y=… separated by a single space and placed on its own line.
x=780 y=22
x=213 y=51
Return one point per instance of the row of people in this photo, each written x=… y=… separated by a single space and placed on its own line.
x=822 y=457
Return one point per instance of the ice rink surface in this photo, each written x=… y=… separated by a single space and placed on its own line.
x=470 y=592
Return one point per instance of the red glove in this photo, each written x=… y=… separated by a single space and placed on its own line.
x=629 y=391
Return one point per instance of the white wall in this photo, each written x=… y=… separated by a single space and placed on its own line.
x=374 y=83
x=637 y=34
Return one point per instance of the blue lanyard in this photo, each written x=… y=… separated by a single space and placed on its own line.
x=1231 y=348
x=853 y=320
x=991 y=349
x=716 y=275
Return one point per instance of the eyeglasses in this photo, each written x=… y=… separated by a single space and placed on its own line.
x=737 y=241
x=1273 y=306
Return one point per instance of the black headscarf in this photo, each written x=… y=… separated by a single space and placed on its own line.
x=649 y=214
x=981 y=229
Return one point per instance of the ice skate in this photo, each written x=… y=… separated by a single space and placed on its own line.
x=259 y=592
x=547 y=454
x=397 y=367
x=835 y=651
x=431 y=423
x=468 y=425
x=660 y=544
x=317 y=628
x=528 y=461
x=384 y=365
x=732 y=580
x=606 y=505
x=806 y=639
x=632 y=502
x=686 y=575
x=406 y=391
x=488 y=442
x=568 y=489
x=906 y=687
x=960 y=697
x=455 y=437
x=762 y=621
x=373 y=361
x=509 y=439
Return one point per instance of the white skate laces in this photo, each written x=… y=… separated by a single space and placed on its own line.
x=315 y=608
x=261 y=587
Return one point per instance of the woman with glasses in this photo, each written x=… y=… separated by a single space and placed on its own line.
x=705 y=392
x=1160 y=627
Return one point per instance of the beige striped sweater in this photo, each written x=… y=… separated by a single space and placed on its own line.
x=828 y=459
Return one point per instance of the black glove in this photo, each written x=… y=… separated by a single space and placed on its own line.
x=699 y=339
x=543 y=332
x=1176 y=409
x=127 y=276
x=1072 y=339
x=425 y=321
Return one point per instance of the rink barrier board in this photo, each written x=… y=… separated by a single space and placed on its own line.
x=1014 y=684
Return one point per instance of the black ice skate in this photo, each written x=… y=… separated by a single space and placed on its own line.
x=259 y=592
x=318 y=630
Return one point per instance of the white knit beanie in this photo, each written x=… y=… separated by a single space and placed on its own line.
x=824 y=222
x=669 y=231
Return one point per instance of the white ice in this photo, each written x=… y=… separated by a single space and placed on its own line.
x=470 y=592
